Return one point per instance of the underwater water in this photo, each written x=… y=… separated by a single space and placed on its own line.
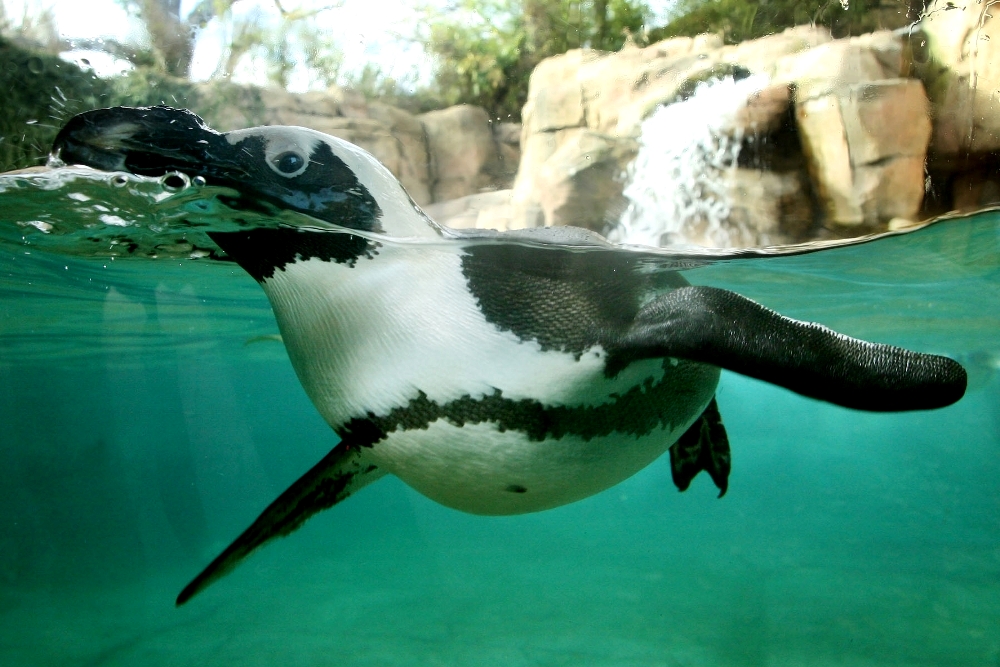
x=148 y=414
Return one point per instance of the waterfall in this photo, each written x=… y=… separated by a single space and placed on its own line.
x=676 y=186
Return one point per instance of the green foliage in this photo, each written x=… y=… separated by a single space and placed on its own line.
x=739 y=20
x=40 y=92
x=322 y=56
x=43 y=92
x=485 y=50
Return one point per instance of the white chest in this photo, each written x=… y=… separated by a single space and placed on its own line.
x=371 y=338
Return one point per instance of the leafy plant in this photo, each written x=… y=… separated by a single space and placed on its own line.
x=739 y=20
x=485 y=50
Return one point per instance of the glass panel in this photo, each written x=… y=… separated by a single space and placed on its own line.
x=511 y=330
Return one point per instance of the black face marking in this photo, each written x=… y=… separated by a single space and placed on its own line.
x=261 y=252
x=567 y=301
x=153 y=141
x=327 y=189
x=638 y=411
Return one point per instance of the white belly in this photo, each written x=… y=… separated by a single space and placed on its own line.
x=476 y=468
x=368 y=339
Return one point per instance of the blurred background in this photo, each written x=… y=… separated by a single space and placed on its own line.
x=801 y=121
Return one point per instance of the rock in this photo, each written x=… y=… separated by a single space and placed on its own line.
x=578 y=181
x=769 y=208
x=894 y=189
x=555 y=96
x=764 y=111
x=640 y=79
x=652 y=93
x=761 y=55
x=865 y=146
x=508 y=141
x=437 y=156
x=577 y=174
x=463 y=153
x=827 y=68
x=585 y=109
x=886 y=119
x=824 y=143
x=961 y=70
x=974 y=189
x=488 y=210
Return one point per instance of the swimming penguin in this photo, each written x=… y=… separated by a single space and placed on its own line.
x=496 y=373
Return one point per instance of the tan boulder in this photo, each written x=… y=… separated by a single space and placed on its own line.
x=463 y=152
x=508 y=142
x=487 y=210
x=824 y=143
x=579 y=180
x=894 y=189
x=826 y=68
x=962 y=75
x=640 y=79
x=865 y=146
x=555 y=96
x=761 y=55
x=660 y=84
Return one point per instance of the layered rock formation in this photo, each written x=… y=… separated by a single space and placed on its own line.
x=853 y=131
x=437 y=156
x=835 y=138
x=955 y=53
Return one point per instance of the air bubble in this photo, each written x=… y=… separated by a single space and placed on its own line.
x=199 y=181
x=175 y=181
x=119 y=180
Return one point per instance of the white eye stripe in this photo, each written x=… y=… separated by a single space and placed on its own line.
x=287 y=150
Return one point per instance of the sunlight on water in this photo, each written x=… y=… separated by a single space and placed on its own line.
x=675 y=182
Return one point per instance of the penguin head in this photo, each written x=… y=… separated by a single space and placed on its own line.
x=292 y=168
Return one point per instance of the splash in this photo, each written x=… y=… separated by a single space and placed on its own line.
x=676 y=186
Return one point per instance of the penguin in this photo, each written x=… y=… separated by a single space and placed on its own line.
x=494 y=372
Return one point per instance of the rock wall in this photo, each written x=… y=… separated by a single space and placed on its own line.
x=859 y=131
x=955 y=52
x=846 y=137
x=437 y=156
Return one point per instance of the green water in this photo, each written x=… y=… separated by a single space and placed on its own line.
x=146 y=418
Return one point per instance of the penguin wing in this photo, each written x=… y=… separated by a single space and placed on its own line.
x=722 y=328
x=339 y=474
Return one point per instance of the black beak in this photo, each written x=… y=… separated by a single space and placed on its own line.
x=147 y=141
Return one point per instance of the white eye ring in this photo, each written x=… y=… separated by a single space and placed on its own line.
x=288 y=164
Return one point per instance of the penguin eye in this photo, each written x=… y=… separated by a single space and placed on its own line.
x=288 y=163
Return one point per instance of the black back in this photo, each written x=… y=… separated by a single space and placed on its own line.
x=565 y=299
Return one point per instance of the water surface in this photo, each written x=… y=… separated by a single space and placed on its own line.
x=149 y=415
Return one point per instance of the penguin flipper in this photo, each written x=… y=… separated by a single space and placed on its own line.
x=722 y=328
x=704 y=446
x=339 y=474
